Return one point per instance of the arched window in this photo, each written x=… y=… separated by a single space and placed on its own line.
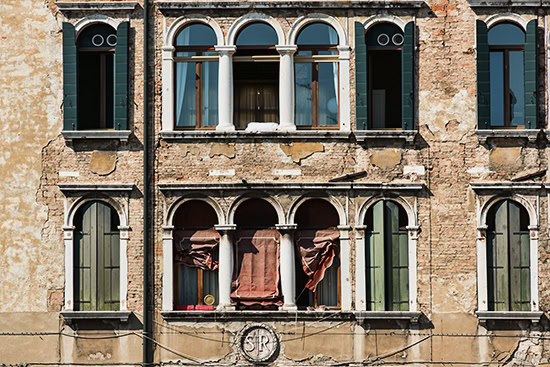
x=387 y=260
x=317 y=255
x=506 y=65
x=96 y=258
x=256 y=76
x=384 y=46
x=508 y=257
x=95 y=77
x=196 y=77
x=316 y=76
x=256 y=274
x=507 y=75
x=96 y=49
x=196 y=256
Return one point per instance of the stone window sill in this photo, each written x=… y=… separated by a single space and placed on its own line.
x=529 y=134
x=364 y=135
x=532 y=316
x=121 y=135
x=283 y=315
x=94 y=6
x=411 y=316
x=259 y=316
x=71 y=316
x=248 y=135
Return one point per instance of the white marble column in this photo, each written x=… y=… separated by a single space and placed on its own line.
x=288 y=269
x=482 y=296
x=225 y=269
x=286 y=88
x=360 y=269
x=345 y=268
x=225 y=88
x=168 y=123
x=68 y=232
x=344 y=87
x=168 y=269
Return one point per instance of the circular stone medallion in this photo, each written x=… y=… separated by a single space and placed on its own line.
x=259 y=343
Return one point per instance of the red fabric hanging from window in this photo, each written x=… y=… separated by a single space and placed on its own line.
x=256 y=276
x=195 y=248
x=316 y=250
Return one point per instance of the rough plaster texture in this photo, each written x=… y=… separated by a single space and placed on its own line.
x=32 y=207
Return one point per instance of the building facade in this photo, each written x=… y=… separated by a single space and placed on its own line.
x=328 y=183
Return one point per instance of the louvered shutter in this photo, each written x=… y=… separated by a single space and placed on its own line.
x=376 y=287
x=483 y=77
x=520 y=295
x=121 y=78
x=70 y=67
x=530 y=55
x=407 y=77
x=361 y=98
x=497 y=261
x=397 y=259
x=108 y=259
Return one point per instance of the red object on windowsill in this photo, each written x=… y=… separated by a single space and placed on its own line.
x=195 y=308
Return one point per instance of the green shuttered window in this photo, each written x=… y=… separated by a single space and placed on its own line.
x=97 y=258
x=508 y=270
x=387 y=257
x=95 y=77
x=506 y=75
x=384 y=76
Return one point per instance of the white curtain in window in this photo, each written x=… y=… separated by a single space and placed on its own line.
x=333 y=38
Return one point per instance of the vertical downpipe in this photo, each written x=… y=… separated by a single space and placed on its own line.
x=147 y=335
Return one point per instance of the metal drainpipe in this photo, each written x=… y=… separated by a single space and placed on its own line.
x=147 y=351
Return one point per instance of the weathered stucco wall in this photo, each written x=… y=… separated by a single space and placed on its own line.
x=446 y=157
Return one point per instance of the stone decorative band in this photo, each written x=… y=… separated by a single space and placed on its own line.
x=93 y=6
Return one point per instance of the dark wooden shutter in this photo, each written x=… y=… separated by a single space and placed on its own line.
x=531 y=121
x=361 y=98
x=121 y=78
x=97 y=261
x=520 y=295
x=376 y=288
x=70 y=68
x=407 y=77
x=497 y=261
x=397 y=260
x=483 y=78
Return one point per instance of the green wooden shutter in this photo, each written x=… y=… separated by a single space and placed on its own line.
x=108 y=258
x=85 y=261
x=97 y=261
x=69 y=77
x=530 y=55
x=397 y=260
x=407 y=77
x=121 y=78
x=376 y=289
x=497 y=261
x=361 y=98
x=520 y=295
x=483 y=78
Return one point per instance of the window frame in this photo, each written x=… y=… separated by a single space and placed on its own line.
x=315 y=59
x=77 y=195
x=198 y=59
x=505 y=49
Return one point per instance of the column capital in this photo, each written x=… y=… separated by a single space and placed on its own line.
x=228 y=50
x=286 y=227
x=286 y=49
x=225 y=227
x=343 y=52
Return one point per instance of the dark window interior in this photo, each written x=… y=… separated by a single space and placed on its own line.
x=195 y=214
x=192 y=284
x=95 y=77
x=255 y=213
x=255 y=83
x=315 y=214
x=384 y=43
